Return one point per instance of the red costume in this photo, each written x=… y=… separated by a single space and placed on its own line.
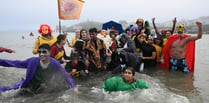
x=189 y=53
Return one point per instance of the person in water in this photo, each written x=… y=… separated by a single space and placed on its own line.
x=96 y=49
x=45 y=38
x=58 y=50
x=75 y=66
x=179 y=51
x=2 y=49
x=127 y=82
x=42 y=73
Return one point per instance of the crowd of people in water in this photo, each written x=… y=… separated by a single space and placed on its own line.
x=96 y=51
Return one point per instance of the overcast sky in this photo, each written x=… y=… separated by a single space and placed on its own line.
x=29 y=14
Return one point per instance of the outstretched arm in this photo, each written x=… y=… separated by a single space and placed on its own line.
x=14 y=63
x=174 y=24
x=2 y=49
x=153 y=22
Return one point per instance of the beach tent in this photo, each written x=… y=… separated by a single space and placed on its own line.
x=113 y=24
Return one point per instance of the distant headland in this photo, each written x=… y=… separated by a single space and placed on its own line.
x=190 y=25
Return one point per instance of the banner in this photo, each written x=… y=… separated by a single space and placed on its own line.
x=69 y=9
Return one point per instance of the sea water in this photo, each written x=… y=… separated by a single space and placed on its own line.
x=164 y=86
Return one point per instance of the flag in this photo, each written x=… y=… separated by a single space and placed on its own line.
x=69 y=9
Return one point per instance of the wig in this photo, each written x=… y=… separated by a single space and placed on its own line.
x=40 y=31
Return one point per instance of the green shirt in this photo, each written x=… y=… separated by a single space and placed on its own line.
x=118 y=84
x=40 y=76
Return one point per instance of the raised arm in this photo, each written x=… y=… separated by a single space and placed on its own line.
x=153 y=22
x=174 y=24
x=199 y=33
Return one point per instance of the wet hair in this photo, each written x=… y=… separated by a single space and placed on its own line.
x=127 y=30
x=130 y=68
x=159 y=37
x=74 y=55
x=92 y=30
x=81 y=32
x=114 y=32
x=169 y=31
x=60 y=37
x=45 y=46
x=124 y=36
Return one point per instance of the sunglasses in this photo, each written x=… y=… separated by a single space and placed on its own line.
x=43 y=51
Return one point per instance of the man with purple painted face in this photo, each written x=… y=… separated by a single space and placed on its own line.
x=42 y=73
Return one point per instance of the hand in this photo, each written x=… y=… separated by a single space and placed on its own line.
x=65 y=61
x=87 y=63
x=174 y=20
x=109 y=53
x=142 y=31
x=105 y=68
x=86 y=71
x=199 y=23
x=73 y=70
x=153 y=19
x=162 y=60
x=11 y=51
x=69 y=45
x=76 y=90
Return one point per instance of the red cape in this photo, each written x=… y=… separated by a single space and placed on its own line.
x=190 y=52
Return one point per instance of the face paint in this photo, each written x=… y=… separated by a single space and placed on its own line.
x=43 y=54
x=45 y=30
x=180 y=28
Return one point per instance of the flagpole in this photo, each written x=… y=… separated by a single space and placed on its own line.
x=60 y=26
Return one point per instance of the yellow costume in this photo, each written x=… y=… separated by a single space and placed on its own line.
x=158 y=52
x=164 y=41
x=43 y=40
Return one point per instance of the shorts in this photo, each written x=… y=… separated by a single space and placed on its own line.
x=178 y=64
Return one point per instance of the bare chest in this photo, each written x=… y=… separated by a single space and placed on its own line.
x=178 y=44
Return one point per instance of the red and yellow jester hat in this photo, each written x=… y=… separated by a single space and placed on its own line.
x=49 y=28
